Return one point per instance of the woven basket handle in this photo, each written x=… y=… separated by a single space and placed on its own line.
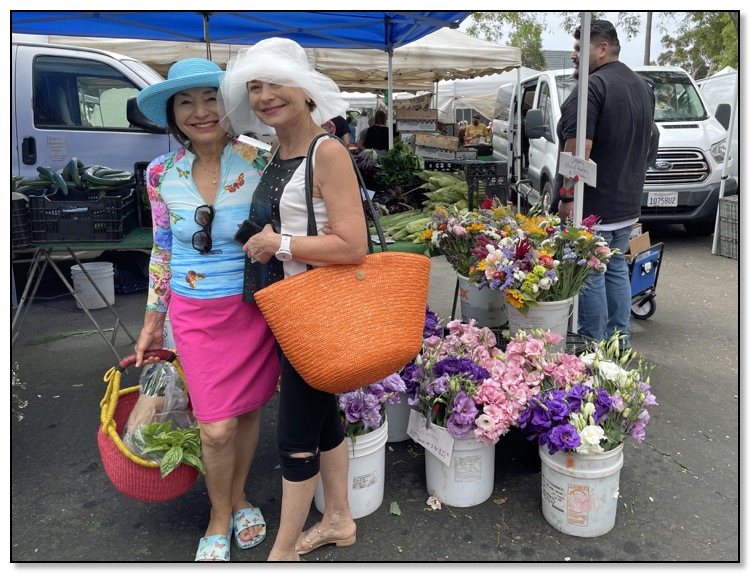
x=312 y=228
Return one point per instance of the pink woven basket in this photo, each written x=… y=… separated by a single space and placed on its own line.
x=133 y=476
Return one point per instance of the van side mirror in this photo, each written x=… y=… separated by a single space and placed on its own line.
x=137 y=119
x=534 y=124
x=723 y=113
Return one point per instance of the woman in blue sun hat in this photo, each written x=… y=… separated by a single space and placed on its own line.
x=199 y=195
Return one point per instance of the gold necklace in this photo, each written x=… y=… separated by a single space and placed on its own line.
x=293 y=147
x=212 y=172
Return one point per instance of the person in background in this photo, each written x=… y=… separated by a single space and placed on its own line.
x=352 y=129
x=377 y=135
x=199 y=195
x=362 y=122
x=338 y=127
x=475 y=132
x=272 y=83
x=618 y=136
x=362 y=134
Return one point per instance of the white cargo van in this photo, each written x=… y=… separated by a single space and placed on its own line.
x=79 y=102
x=682 y=187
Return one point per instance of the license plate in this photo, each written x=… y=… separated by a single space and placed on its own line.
x=662 y=199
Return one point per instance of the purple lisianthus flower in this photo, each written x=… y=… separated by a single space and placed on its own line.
x=461 y=421
x=563 y=438
x=352 y=405
x=452 y=365
x=437 y=386
x=558 y=409
x=411 y=374
x=393 y=383
x=576 y=395
x=371 y=419
x=603 y=405
x=431 y=324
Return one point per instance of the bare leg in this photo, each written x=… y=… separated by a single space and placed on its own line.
x=246 y=441
x=337 y=522
x=218 y=445
x=296 y=498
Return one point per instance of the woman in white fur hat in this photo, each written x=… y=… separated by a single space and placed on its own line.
x=272 y=84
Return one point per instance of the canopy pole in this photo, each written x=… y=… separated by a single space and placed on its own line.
x=583 y=90
x=726 y=164
x=516 y=155
x=390 y=99
x=206 y=35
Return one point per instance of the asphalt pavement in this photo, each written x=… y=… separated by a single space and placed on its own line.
x=679 y=490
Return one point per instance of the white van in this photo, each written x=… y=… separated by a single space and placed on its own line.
x=79 y=102
x=717 y=90
x=682 y=187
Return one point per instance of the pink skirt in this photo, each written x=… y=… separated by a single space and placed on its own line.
x=228 y=354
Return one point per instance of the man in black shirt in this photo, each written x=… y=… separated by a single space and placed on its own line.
x=618 y=132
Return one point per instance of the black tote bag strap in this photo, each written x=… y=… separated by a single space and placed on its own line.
x=312 y=228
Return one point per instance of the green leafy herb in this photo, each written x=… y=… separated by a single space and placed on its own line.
x=182 y=445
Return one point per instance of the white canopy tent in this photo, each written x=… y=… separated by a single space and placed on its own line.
x=445 y=54
x=476 y=93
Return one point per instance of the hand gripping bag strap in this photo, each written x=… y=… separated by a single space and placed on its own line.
x=346 y=326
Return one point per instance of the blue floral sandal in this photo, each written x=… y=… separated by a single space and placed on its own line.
x=248 y=517
x=214 y=547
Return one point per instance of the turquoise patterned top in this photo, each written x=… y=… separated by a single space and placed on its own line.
x=175 y=265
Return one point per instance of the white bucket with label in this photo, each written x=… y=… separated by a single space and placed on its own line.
x=485 y=305
x=580 y=491
x=398 y=419
x=553 y=316
x=366 y=473
x=470 y=477
x=103 y=275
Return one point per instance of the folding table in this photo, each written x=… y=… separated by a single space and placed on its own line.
x=140 y=238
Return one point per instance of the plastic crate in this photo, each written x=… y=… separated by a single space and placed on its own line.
x=729 y=247
x=486 y=178
x=20 y=223
x=729 y=218
x=59 y=219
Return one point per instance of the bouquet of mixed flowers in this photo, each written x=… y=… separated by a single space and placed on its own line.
x=462 y=384
x=455 y=233
x=589 y=404
x=362 y=409
x=541 y=259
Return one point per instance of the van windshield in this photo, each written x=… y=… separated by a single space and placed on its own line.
x=565 y=85
x=676 y=97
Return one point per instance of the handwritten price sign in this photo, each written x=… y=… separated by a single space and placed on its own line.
x=572 y=166
x=434 y=439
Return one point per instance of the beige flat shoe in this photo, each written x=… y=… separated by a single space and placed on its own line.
x=313 y=538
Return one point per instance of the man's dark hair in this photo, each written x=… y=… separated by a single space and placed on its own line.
x=602 y=31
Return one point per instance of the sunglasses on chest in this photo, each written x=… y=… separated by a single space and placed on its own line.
x=204 y=216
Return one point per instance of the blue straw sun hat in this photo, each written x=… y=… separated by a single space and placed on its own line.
x=183 y=75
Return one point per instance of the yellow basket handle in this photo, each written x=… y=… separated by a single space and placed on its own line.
x=113 y=393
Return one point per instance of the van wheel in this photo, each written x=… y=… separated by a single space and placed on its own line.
x=545 y=197
x=705 y=228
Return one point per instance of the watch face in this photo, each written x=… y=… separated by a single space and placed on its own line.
x=284 y=256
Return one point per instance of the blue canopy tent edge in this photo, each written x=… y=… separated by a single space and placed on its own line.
x=311 y=29
x=324 y=29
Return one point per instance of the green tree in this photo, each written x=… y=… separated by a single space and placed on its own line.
x=704 y=43
x=524 y=30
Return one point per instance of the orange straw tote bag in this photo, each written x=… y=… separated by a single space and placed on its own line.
x=132 y=475
x=343 y=327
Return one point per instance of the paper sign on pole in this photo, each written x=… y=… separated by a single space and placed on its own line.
x=434 y=439
x=569 y=166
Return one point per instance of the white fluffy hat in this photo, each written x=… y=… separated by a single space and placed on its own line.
x=278 y=61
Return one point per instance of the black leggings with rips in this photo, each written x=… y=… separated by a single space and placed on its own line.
x=309 y=423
